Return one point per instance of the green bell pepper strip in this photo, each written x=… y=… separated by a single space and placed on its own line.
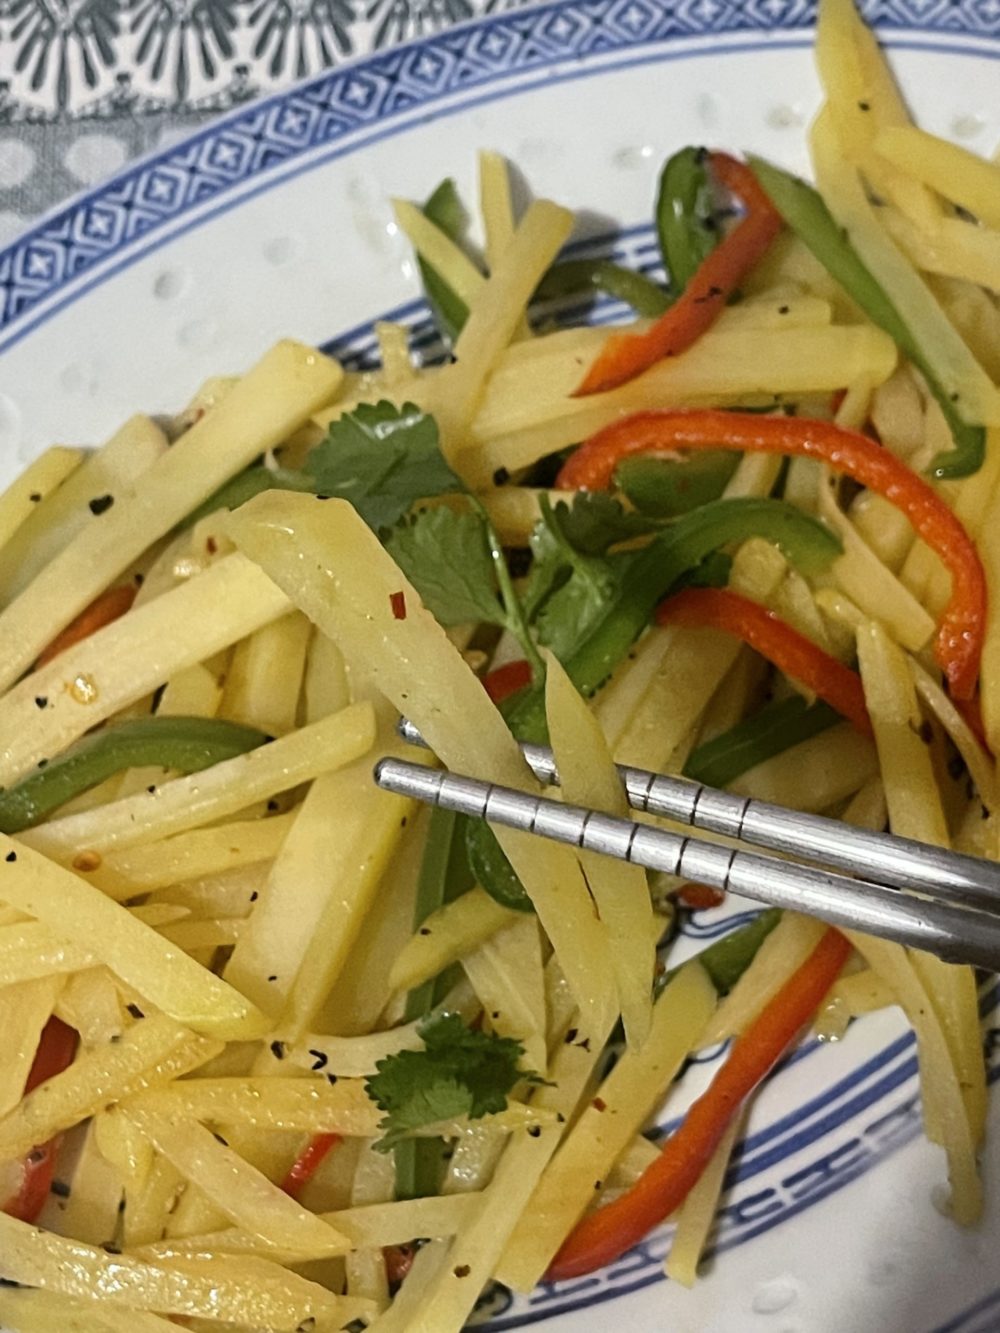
x=575 y=275
x=185 y=743
x=669 y=487
x=444 y=876
x=684 y=222
x=727 y=959
x=771 y=731
x=444 y=209
x=657 y=568
x=492 y=870
x=804 y=541
x=804 y=211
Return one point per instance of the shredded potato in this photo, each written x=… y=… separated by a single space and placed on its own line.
x=288 y=1052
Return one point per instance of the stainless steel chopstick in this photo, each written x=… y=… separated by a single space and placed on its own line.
x=882 y=858
x=953 y=933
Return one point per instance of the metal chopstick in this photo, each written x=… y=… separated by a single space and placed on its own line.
x=953 y=933
x=883 y=858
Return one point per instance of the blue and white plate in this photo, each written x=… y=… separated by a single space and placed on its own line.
x=276 y=221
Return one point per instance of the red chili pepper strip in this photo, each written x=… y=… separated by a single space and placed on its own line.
x=700 y=897
x=963 y=626
x=108 y=606
x=308 y=1162
x=506 y=680
x=55 y=1053
x=608 y=1232
x=626 y=355
x=769 y=635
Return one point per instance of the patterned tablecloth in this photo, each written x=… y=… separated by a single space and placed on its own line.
x=87 y=84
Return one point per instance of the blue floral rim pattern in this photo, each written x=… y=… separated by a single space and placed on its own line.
x=341 y=110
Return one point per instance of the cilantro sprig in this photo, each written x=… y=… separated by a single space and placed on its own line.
x=460 y=1072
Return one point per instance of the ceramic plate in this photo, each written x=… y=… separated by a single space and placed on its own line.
x=276 y=221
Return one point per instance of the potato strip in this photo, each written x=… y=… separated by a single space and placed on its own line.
x=161 y=972
x=24 y=1010
x=624 y=1101
x=129 y=658
x=273 y=399
x=300 y=543
x=238 y=1291
x=189 y=856
x=452 y=931
x=321 y=885
x=59 y=516
x=151 y=1051
x=588 y=778
x=369 y=1226
x=215 y=793
x=39 y=479
x=236 y=1188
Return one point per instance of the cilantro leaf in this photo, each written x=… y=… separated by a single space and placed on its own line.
x=383 y=459
x=596 y=520
x=460 y=1071
x=569 y=589
x=446 y=556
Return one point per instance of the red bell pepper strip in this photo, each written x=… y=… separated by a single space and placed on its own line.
x=700 y=897
x=308 y=1162
x=769 y=635
x=963 y=625
x=626 y=355
x=108 y=606
x=55 y=1053
x=608 y=1232
x=506 y=680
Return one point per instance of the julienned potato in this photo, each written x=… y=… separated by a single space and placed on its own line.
x=286 y=1024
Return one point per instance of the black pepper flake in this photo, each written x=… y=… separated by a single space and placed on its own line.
x=152 y=789
x=121 y=1204
x=571 y=1036
x=402 y=822
x=135 y=1011
x=560 y=1118
x=462 y=1270
x=9 y=1282
x=111 y=1248
x=41 y=701
x=926 y=732
x=273 y=978
x=534 y=1131
x=273 y=805
x=42 y=763
x=783 y=309
x=35 y=496
x=11 y=856
x=100 y=504
x=60 y=1189
x=320 y=1060
x=495 y=1013
x=425 y=930
x=219 y=1139
x=254 y=896
x=331 y=1079
x=139 y=579
x=501 y=477
x=598 y=1184
x=115 y=1038
x=278 y=1050
x=585 y=1044
x=864 y=106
